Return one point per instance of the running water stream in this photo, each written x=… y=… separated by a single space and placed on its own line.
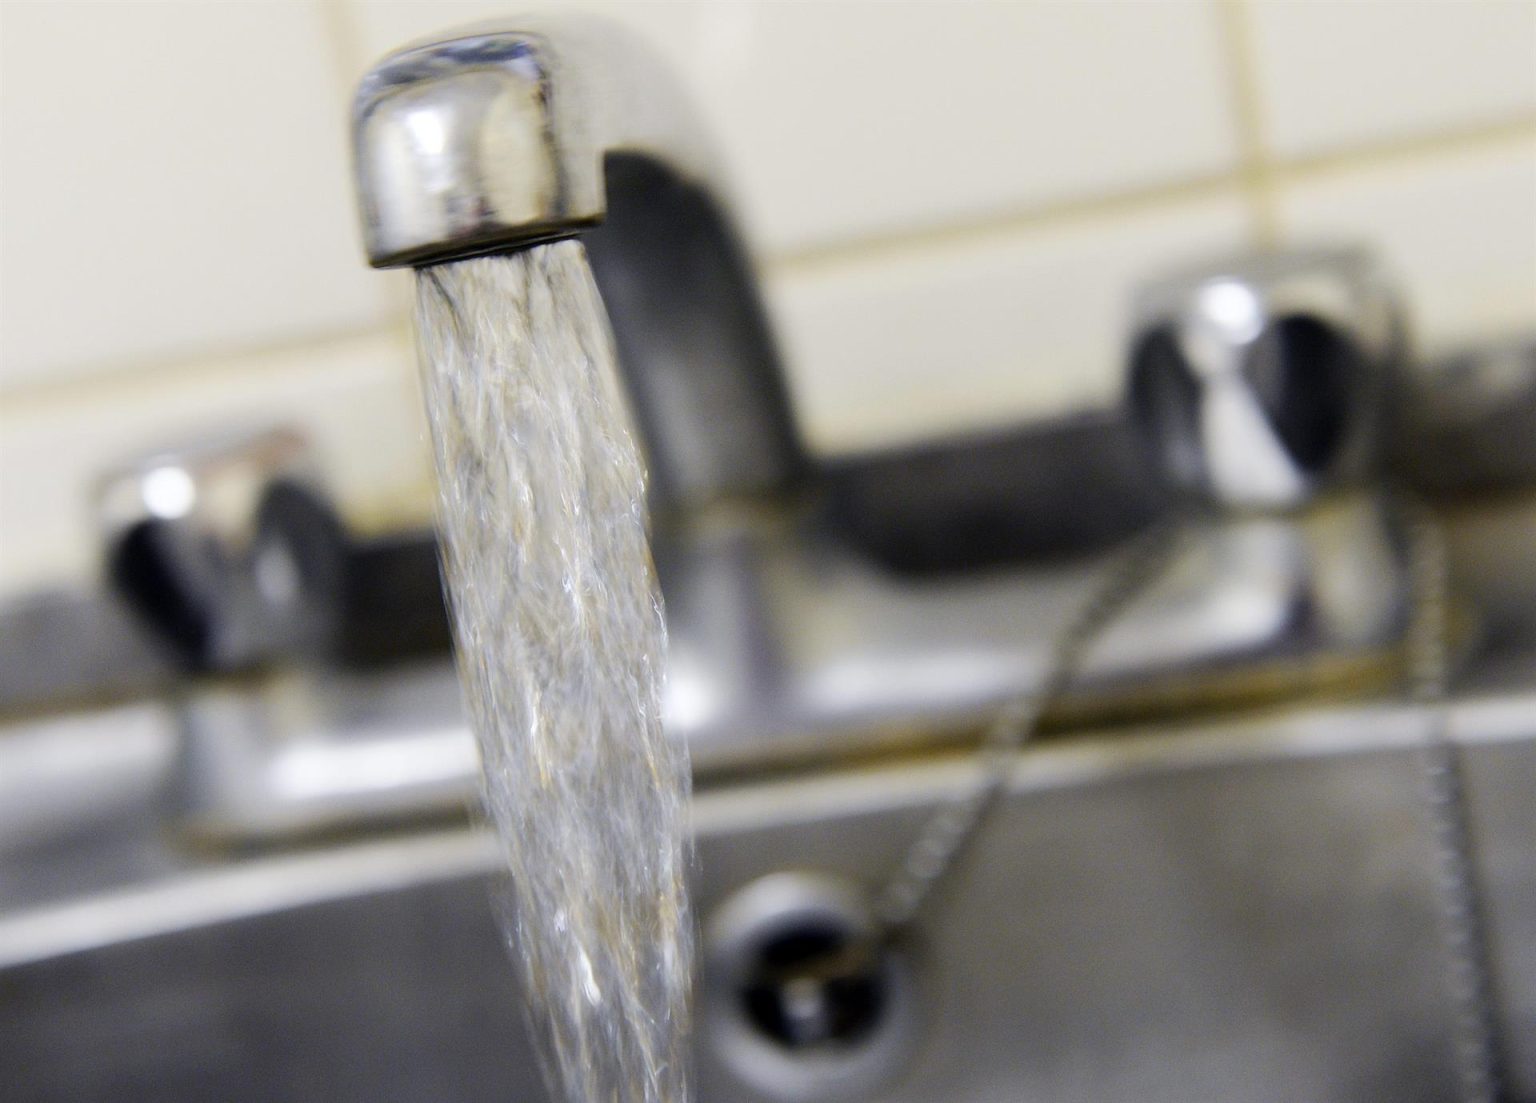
x=560 y=641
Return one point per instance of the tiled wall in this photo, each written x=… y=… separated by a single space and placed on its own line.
x=950 y=201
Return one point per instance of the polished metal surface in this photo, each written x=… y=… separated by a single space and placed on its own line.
x=488 y=140
x=306 y=752
x=788 y=647
x=1428 y=652
x=1239 y=912
x=947 y=838
x=67 y=648
x=1466 y=436
x=1260 y=381
x=785 y=644
x=1006 y=496
x=782 y=1014
x=1501 y=779
x=226 y=548
x=67 y=776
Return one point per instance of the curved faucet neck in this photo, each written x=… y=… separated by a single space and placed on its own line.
x=488 y=141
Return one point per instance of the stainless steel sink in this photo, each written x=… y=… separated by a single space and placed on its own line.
x=253 y=880
x=1241 y=911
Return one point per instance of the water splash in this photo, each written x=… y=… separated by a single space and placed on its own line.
x=560 y=645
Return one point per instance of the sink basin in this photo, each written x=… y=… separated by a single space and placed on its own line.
x=1239 y=912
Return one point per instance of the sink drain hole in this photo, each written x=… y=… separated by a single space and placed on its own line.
x=816 y=986
x=804 y=1001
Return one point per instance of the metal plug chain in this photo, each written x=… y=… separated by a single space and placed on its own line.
x=1461 y=915
x=953 y=827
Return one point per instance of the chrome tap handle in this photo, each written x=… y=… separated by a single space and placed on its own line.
x=1260 y=383
x=226 y=549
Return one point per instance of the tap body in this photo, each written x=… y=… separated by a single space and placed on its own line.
x=1260 y=382
x=486 y=141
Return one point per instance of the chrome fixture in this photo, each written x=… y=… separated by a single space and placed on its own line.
x=1260 y=381
x=1181 y=895
x=227 y=548
x=1257 y=414
x=787 y=649
x=788 y=645
x=490 y=140
x=800 y=1000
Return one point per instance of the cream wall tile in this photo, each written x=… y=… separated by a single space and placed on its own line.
x=851 y=120
x=1332 y=75
x=981 y=332
x=356 y=399
x=1459 y=229
x=175 y=183
x=848 y=120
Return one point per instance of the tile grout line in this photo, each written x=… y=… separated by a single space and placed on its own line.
x=341 y=31
x=28 y=395
x=1277 y=173
x=340 y=18
x=349 y=55
x=1521 y=127
x=1050 y=215
x=108 y=382
x=1256 y=171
